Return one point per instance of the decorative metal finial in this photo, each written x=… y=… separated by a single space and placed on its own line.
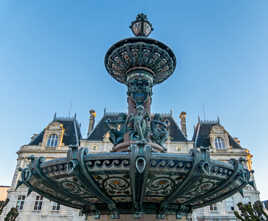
x=141 y=26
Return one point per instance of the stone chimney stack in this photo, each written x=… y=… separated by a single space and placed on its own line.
x=91 y=121
x=183 y=123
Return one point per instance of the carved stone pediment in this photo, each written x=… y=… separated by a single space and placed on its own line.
x=217 y=129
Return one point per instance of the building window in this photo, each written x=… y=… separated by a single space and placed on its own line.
x=55 y=206
x=219 y=143
x=94 y=147
x=38 y=203
x=20 y=202
x=246 y=199
x=213 y=207
x=230 y=204
x=52 y=140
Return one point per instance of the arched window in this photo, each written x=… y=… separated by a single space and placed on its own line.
x=52 y=140
x=219 y=143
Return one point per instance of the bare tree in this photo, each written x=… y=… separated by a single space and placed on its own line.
x=249 y=212
x=3 y=204
x=13 y=212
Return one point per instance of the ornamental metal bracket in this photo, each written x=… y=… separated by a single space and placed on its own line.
x=31 y=171
x=86 y=178
x=140 y=156
x=197 y=158
x=48 y=182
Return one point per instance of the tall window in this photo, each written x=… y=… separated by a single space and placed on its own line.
x=94 y=147
x=38 y=203
x=229 y=204
x=55 y=206
x=213 y=207
x=52 y=140
x=219 y=143
x=246 y=199
x=20 y=202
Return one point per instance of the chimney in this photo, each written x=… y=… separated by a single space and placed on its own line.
x=236 y=140
x=91 y=121
x=183 y=123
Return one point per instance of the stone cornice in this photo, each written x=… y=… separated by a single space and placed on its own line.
x=41 y=151
x=229 y=154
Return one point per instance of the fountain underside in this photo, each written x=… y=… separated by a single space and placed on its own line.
x=135 y=182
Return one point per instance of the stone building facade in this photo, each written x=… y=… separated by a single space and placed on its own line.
x=3 y=192
x=55 y=140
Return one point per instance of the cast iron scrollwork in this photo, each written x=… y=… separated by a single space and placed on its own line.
x=160 y=186
x=116 y=185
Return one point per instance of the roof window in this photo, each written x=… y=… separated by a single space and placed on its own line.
x=219 y=143
x=52 y=140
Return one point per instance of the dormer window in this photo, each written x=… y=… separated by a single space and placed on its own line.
x=219 y=143
x=52 y=140
x=53 y=135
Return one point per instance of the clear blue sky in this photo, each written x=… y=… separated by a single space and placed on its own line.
x=51 y=60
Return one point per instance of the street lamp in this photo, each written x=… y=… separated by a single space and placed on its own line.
x=141 y=26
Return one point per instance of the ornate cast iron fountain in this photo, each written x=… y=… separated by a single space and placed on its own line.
x=138 y=176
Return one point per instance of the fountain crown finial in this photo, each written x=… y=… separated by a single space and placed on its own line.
x=141 y=27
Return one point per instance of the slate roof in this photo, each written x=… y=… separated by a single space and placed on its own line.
x=101 y=128
x=202 y=131
x=72 y=133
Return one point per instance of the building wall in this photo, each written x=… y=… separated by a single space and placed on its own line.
x=3 y=192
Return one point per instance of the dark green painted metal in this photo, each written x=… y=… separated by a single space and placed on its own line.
x=180 y=189
x=217 y=189
x=160 y=164
x=222 y=197
x=132 y=173
x=141 y=19
x=160 y=68
x=25 y=180
x=49 y=183
x=88 y=180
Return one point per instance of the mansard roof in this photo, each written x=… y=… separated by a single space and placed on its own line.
x=101 y=128
x=202 y=131
x=72 y=133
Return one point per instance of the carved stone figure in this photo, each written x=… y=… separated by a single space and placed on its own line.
x=138 y=125
x=117 y=128
x=159 y=131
